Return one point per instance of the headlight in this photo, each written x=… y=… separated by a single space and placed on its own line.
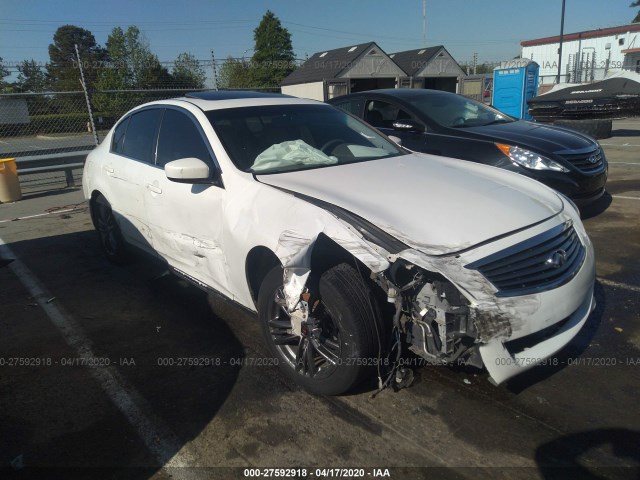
x=528 y=159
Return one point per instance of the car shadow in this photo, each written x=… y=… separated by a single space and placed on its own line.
x=625 y=132
x=180 y=358
x=596 y=208
x=31 y=194
x=561 y=457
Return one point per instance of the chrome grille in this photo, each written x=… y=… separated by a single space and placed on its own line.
x=540 y=263
x=587 y=161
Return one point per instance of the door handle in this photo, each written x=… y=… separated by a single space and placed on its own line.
x=109 y=170
x=153 y=188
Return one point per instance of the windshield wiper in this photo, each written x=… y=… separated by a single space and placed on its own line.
x=497 y=120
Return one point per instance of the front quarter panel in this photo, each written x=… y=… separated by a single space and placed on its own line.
x=256 y=214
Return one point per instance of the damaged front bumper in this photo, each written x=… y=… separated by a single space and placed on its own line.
x=511 y=333
x=502 y=362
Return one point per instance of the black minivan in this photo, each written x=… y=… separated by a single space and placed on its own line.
x=443 y=123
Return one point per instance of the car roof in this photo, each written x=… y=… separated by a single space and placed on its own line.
x=232 y=94
x=218 y=99
x=395 y=93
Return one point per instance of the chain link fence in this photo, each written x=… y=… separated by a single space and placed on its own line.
x=59 y=122
x=51 y=124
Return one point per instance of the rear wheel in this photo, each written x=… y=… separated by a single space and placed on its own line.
x=337 y=344
x=108 y=230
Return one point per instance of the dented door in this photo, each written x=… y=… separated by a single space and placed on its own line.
x=186 y=219
x=186 y=222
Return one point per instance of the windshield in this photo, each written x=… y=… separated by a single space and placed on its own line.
x=456 y=111
x=282 y=138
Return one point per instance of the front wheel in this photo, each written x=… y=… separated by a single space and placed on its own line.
x=336 y=344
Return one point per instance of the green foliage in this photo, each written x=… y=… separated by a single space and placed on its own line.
x=31 y=77
x=63 y=67
x=187 y=72
x=4 y=86
x=273 y=57
x=637 y=18
x=234 y=74
x=130 y=65
x=3 y=71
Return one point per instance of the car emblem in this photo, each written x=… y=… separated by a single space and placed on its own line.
x=593 y=159
x=557 y=259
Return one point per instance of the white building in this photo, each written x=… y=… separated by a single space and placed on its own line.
x=363 y=67
x=586 y=56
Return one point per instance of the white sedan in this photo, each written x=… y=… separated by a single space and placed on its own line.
x=350 y=248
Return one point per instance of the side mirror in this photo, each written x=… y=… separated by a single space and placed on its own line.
x=408 y=125
x=396 y=140
x=187 y=170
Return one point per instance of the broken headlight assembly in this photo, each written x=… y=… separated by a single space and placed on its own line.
x=528 y=159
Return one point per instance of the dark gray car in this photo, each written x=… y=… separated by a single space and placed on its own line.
x=451 y=125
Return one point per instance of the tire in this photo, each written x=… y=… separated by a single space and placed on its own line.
x=597 y=128
x=340 y=344
x=111 y=240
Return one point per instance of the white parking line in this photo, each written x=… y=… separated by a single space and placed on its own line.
x=157 y=437
x=619 y=145
x=624 y=286
x=626 y=163
x=625 y=198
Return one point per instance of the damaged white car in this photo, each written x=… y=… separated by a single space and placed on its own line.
x=350 y=248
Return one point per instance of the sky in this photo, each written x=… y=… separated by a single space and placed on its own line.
x=491 y=28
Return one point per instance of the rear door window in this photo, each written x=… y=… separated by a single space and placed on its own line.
x=117 y=144
x=139 y=142
x=353 y=105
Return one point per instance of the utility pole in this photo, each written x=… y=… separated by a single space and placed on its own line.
x=424 y=23
x=560 y=48
x=215 y=74
x=89 y=110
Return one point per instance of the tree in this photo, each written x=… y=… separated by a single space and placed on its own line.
x=31 y=77
x=131 y=64
x=3 y=71
x=637 y=17
x=234 y=74
x=273 y=57
x=187 y=72
x=63 y=67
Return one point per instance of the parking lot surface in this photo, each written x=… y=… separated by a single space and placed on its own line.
x=126 y=372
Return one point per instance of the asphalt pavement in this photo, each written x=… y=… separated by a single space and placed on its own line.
x=126 y=372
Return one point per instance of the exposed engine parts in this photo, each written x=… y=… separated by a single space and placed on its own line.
x=432 y=316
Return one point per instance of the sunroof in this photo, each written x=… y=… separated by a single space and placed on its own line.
x=232 y=94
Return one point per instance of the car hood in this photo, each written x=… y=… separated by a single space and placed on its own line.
x=434 y=204
x=534 y=136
